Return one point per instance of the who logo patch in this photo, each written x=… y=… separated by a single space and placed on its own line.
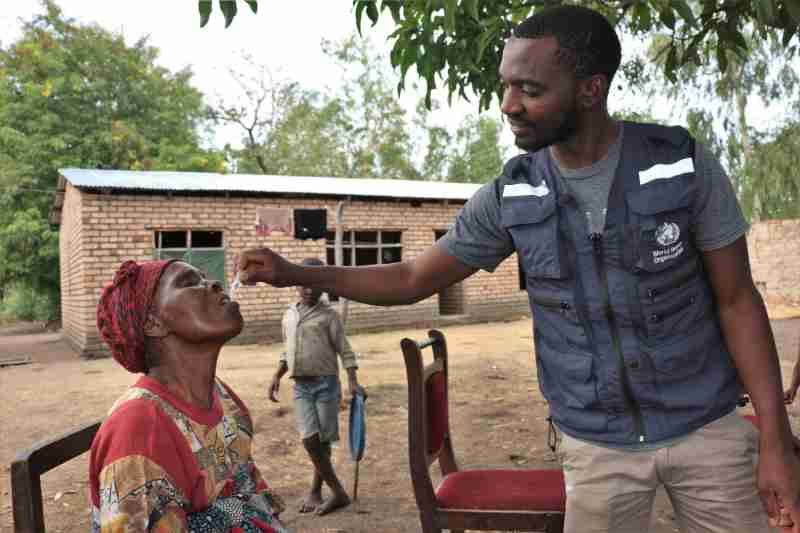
x=667 y=234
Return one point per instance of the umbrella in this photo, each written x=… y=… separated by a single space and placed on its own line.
x=358 y=434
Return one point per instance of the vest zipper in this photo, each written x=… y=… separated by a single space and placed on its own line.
x=597 y=246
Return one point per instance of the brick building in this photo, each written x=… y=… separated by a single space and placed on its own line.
x=774 y=248
x=106 y=217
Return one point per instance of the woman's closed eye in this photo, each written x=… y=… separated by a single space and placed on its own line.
x=190 y=279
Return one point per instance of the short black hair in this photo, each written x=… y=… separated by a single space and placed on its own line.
x=585 y=38
x=312 y=261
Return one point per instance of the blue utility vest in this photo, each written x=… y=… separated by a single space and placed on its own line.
x=628 y=342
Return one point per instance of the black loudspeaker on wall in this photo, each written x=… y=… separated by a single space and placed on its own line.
x=310 y=223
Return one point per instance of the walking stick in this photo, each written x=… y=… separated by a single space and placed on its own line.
x=355 y=483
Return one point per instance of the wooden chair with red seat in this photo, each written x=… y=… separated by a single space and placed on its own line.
x=479 y=499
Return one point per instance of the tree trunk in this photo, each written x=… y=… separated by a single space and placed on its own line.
x=740 y=97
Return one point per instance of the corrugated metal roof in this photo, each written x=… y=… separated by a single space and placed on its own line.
x=250 y=183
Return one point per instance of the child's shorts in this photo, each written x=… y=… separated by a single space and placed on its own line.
x=316 y=406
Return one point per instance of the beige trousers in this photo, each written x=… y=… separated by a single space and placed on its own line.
x=709 y=478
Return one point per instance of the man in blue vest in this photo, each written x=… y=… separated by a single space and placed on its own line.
x=647 y=324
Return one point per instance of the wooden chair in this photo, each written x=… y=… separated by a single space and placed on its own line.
x=28 y=466
x=479 y=499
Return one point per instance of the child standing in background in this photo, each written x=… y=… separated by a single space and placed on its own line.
x=313 y=335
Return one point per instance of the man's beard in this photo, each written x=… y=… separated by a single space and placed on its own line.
x=565 y=130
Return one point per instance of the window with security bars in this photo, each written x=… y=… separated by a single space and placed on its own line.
x=362 y=248
x=201 y=249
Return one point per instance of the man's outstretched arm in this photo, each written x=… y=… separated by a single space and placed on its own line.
x=393 y=284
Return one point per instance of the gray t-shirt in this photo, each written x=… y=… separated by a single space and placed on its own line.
x=478 y=239
x=590 y=186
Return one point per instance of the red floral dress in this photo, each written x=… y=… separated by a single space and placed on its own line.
x=160 y=464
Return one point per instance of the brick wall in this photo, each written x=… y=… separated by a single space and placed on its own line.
x=99 y=231
x=774 y=248
x=74 y=304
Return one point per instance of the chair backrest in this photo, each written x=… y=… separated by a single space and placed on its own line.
x=29 y=465
x=428 y=416
x=436 y=418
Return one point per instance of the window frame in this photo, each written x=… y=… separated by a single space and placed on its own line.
x=158 y=240
x=349 y=243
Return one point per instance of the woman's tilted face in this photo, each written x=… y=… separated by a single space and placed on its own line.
x=194 y=308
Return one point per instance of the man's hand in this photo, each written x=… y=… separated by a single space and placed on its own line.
x=274 y=388
x=263 y=265
x=779 y=486
x=791 y=392
x=355 y=388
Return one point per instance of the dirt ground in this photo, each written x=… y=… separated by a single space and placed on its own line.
x=497 y=419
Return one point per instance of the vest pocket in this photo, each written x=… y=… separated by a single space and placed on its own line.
x=686 y=357
x=680 y=313
x=664 y=222
x=559 y=321
x=533 y=224
x=655 y=289
x=565 y=375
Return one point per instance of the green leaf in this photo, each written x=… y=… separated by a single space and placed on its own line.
x=722 y=57
x=229 y=9
x=471 y=8
x=205 y=7
x=765 y=11
x=360 y=6
x=450 y=9
x=667 y=17
x=690 y=55
x=684 y=11
x=735 y=37
x=793 y=8
x=787 y=36
x=394 y=8
x=642 y=13
x=484 y=41
x=253 y=5
x=396 y=55
x=408 y=59
x=372 y=12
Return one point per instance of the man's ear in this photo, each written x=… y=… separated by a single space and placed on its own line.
x=154 y=327
x=592 y=91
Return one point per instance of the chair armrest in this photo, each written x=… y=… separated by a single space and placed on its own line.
x=30 y=464
x=47 y=454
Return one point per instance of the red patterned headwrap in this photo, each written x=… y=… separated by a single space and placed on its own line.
x=122 y=311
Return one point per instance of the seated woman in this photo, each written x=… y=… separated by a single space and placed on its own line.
x=174 y=453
